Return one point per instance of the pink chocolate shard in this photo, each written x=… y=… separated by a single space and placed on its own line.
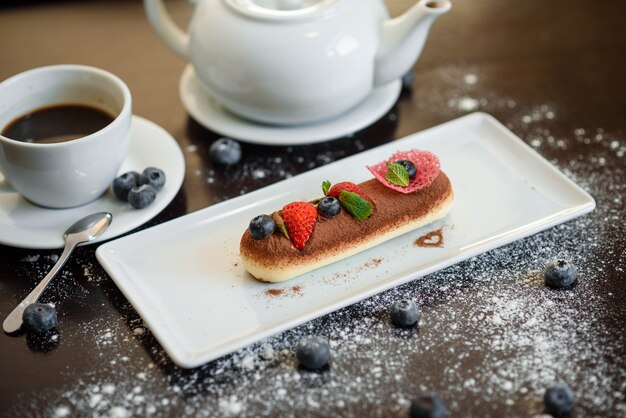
x=426 y=163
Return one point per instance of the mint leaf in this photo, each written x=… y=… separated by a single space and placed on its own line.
x=397 y=175
x=355 y=204
x=280 y=224
x=325 y=187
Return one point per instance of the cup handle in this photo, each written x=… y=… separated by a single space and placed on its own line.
x=164 y=26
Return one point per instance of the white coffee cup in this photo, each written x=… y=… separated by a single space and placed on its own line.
x=72 y=173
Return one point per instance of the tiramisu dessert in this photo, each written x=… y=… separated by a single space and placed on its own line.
x=409 y=191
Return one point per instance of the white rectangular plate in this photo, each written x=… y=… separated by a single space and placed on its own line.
x=186 y=280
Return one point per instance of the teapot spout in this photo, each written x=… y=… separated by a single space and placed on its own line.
x=402 y=39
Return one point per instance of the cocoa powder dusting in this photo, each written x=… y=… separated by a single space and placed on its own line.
x=274 y=292
x=375 y=262
x=294 y=290
x=431 y=239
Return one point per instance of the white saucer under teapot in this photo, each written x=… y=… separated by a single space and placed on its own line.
x=292 y=62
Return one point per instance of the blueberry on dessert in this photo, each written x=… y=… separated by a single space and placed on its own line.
x=261 y=226
x=39 y=317
x=123 y=183
x=329 y=206
x=312 y=353
x=225 y=151
x=429 y=406
x=560 y=274
x=153 y=176
x=142 y=196
x=350 y=197
x=559 y=400
x=404 y=313
x=409 y=167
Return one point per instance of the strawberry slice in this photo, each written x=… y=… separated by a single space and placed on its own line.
x=345 y=186
x=300 y=219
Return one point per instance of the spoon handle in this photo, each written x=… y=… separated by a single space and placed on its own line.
x=13 y=322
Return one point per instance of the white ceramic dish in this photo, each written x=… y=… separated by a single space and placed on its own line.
x=210 y=114
x=185 y=278
x=25 y=225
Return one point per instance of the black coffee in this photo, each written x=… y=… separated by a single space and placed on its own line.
x=59 y=123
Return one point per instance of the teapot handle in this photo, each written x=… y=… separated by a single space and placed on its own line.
x=165 y=27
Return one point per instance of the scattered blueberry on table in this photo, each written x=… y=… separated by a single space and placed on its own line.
x=329 y=206
x=261 y=226
x=559 y=400
x=408 y=79
x=428 y=406
x=560 y=274
x=39 y=317
x=153 y=176
x=225 y=151
x=312 y=353
x=123 y=183
x=404 y=313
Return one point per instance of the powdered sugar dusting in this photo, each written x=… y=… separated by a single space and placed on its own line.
x=492 y=337
x=466 y=104
x=61 y=411
x=501 y=336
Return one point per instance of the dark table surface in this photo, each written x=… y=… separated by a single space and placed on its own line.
x=492 y=337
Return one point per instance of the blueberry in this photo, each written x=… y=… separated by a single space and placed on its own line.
x=142 y=196
x=408 y=79
x=225 y=151
x=409 y=167
x=261 y=226
x=404 y=313
x=560 y=274
x=122 y=184
x=559 y=400
x=312 y=353
x=429 y=406
x=329 y=206
x=39 y=317
x=153 y=176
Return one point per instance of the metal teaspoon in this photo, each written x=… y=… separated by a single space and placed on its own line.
x=87 y=229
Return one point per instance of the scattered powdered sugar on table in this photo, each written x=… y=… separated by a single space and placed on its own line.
x=499 y=337
x=466 y=104
x=470 y=79
x=61 y=411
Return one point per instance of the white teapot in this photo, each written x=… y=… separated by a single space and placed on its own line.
x=291 y=62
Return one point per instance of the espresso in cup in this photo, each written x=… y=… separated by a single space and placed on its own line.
x=58 y=123
x=64 y=133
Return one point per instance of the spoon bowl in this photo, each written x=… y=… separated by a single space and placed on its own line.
x=89 y=228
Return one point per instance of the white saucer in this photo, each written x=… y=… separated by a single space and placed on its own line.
x=210 y=114
x=25 y=225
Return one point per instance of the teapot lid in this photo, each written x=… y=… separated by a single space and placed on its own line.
x=281 y=9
